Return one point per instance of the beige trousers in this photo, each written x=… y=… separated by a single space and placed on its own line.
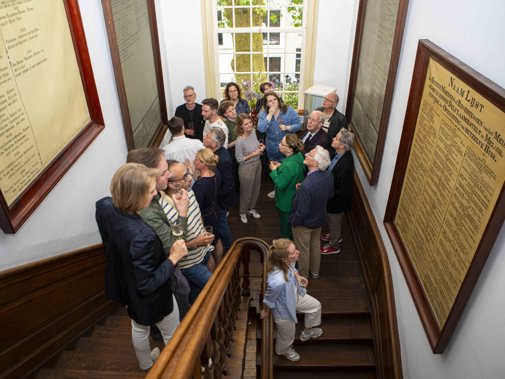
x=308 y=305
x=249 y=175
x=308 y=242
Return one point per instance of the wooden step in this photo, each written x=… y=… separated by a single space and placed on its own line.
x=330 y=355
x=81 y=360
x=342 y=329
x=340 y=373
x=87 y=374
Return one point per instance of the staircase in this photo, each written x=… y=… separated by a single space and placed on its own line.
x=346 y=349
x=106 y=353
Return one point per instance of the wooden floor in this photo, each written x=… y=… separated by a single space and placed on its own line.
x=344 y=351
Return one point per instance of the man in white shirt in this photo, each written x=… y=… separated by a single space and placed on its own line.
x=212 y=119
x=181 y=148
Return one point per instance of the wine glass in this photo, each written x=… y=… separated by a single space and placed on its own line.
x=177 y=229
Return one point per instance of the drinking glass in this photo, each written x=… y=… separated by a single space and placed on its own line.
x=177 y=229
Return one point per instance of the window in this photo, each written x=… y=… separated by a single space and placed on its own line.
x=257 y=41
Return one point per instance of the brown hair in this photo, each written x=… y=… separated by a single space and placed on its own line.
x=211 y=103
x=283 y=107
x=208 y=158
x=148 y=156
x=130 y=185
x=175 y=125
x=225 y=104
x=227 y=89
x=240 y=121
x=279 y=255
x=294 y=142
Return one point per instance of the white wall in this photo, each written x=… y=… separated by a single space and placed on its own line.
x=473 y=32
x=65 y=219
x=335 y=39
x=181 y=46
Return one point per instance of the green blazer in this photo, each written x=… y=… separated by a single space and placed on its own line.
x=285 y=177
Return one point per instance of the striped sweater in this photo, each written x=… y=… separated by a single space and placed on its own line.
x=194 y=227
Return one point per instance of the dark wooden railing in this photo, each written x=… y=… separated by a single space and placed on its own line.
x=201 y=342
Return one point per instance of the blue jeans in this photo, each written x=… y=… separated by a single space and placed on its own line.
x=223 y=231
x=197 y=277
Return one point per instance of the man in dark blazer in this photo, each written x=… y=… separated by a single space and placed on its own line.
x=315 y=135
x=309 y=210
x=342 y=170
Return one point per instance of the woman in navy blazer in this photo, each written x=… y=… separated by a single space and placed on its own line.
x=138 y=273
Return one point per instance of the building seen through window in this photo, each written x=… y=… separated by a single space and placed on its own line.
x=258 y=41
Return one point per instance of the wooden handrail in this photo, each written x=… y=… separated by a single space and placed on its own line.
x=200 y=343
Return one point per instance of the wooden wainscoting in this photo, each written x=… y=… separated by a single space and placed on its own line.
x=375 y=265
x=47 y=304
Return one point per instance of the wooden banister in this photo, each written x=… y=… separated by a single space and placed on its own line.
x=199 y=346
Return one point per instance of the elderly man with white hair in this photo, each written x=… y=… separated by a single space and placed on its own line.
x=309 y=210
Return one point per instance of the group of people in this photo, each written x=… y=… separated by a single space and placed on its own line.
x=165 y=225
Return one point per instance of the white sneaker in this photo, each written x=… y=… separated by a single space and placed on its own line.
x=155 y=353
x=311 y=333
x=271 y=194
x=253 y=213
x=292 y=355
x=243 y=218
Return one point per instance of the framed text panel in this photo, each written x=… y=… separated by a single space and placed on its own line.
x=49 y=108
x=377 y=44
x=133 y=39
x=446 y=203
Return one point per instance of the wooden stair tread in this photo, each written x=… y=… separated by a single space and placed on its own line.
x=84 y=360
x=328 y=374
x=326 y=355
x=343 y=329
x=87 y=374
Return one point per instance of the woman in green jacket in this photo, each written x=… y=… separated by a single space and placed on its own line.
x=285 y=176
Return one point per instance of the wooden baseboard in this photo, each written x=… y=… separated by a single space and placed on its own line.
x=46 y=305
x=375 y=265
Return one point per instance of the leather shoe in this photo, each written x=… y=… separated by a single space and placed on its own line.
x=329 y=250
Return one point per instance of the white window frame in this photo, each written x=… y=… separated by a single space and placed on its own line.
x=210 y=44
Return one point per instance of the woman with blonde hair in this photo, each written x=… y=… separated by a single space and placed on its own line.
x=138 y=273
x=247 y=152
x=286 y=295
x=285 y=176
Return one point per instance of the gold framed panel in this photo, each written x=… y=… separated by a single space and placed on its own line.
x=133 y=40
x=49 y=107
x=377 y=45
x=447 y=205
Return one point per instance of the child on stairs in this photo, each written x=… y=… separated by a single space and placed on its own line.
x=285 y=295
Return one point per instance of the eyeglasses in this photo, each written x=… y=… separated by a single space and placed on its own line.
x=186 y=175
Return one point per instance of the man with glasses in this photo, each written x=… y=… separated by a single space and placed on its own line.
x=194 y=264
x=191 y=113
x=333 y=119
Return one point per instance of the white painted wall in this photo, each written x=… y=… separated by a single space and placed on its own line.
x=65 y=219
x=473 y=32
x=334 y=45
x=181 y=46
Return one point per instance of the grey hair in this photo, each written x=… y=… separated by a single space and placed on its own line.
x=322 y=157
x=346 y=138
x=218 y=135
x=320 y=114
x=187 y=88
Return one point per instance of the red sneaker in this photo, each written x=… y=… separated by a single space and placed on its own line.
x=325 y=237
x=329 y=250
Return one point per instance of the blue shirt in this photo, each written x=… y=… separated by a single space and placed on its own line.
x=281 y=296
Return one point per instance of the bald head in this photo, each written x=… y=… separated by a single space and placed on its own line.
x=330 y=101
